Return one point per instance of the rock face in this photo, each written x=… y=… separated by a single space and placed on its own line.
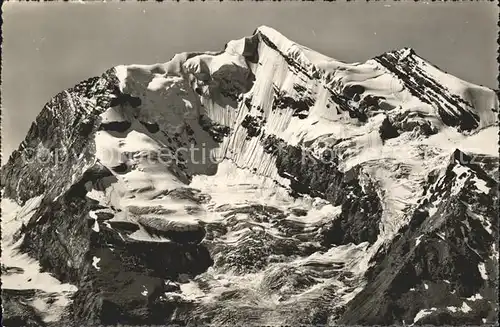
x=263 y=184
x=443 y=260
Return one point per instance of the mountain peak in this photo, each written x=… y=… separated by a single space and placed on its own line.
x=405 y=52
x=267 y=30
x=161 y=190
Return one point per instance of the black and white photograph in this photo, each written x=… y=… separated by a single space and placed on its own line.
x=249 y=163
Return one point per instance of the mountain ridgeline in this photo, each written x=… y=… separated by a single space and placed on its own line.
x=262 y=184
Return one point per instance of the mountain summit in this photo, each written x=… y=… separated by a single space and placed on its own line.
x=262 y=184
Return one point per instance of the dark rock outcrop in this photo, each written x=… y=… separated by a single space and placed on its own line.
x=252 y=125
x=453 y=110
x=121 y=99
x=300 y=106
x=435 y=261
x=216 y=131
x=151 y=127
x=361 y=207
x=119 y=279
x=43 y=161
x=387 y=130
x=16 y=311
x=228 y=83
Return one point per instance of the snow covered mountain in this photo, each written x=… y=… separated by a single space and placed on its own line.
x=262 y=184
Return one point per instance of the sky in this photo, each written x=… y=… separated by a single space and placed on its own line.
x=48 y=47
